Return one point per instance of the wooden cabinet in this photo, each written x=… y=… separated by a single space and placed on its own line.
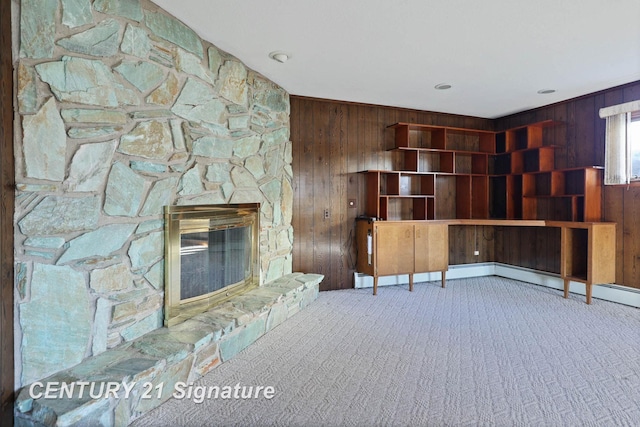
x=393 y=248
x=401 y=247
x=431 y=248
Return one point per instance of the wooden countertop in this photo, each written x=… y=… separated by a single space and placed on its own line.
x=507 y=222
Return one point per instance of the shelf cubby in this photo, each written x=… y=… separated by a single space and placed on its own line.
x=497 y=200
x=470 y=140
x=479 y=197
x=577 y=239
x=397 y=208
x=575 y=181
x=415 y=184
x=500 y=164
x=513 y=197
x=501 y=143
x=463 y=196
x=516 y=139
x=410 y=135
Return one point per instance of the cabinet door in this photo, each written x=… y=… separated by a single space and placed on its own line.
x=602 y=254
x=394 y=248
x=431 y=247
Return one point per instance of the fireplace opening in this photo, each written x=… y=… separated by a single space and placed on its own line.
x=212 y=255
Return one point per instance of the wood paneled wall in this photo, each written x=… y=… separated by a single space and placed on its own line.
x=332 y=142
x=6 y=218
x=581 y=138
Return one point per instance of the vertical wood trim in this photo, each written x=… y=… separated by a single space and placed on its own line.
x=614 y=200
x=335 y=194
x=302 y=123
x=353 y=177
x=7 y=198
x=321 y=182
x=294 y=136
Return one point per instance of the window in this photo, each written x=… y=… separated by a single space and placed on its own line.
x=634 y=144
x=622 y=143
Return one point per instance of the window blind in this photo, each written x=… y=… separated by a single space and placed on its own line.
x=617 y=150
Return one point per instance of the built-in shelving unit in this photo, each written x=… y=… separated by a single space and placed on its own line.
x=453 y=173
x=439 y=163
x=526 y=185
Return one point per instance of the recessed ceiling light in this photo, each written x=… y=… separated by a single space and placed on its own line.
x=279 y=56
x=546 y=91
x=442 y=86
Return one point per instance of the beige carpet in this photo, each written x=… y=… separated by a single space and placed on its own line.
x=485 y=351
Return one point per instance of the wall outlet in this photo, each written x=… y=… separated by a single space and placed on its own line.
x=476 y=253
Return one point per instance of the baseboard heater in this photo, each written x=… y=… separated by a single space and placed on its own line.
x=608 y=292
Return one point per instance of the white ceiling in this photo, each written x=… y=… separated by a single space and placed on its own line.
x=495 y=53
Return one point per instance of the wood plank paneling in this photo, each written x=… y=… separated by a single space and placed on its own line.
x=465 y=239
x=530 y=247
x=7 y=185
x=332 y=142
x=321 y=179
x=302 y=221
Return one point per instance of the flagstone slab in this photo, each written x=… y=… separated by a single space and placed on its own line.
x=57 y=295
x=37 y=28
x=130 y=9
x=98 y=243
x=45 y=143
x=143 y=75
x=90 y=166
x=27 y=90
x=76 y=13
x=85 y=81
x=135 y=42
x=150 y=139
x=61 y=215
x=232 y=82
x=197 y=102
x=101 y=40
x=124 y=191
x=174 y=31
x=83 y=115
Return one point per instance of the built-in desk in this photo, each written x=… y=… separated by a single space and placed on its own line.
x=588 y=249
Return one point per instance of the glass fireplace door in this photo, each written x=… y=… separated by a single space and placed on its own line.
x=211 y=260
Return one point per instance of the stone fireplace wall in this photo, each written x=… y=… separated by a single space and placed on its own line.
x=122 y=109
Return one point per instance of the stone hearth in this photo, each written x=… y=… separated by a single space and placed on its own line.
x=164 y=357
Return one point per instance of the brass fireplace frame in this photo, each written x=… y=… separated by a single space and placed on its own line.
x=195 y=218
